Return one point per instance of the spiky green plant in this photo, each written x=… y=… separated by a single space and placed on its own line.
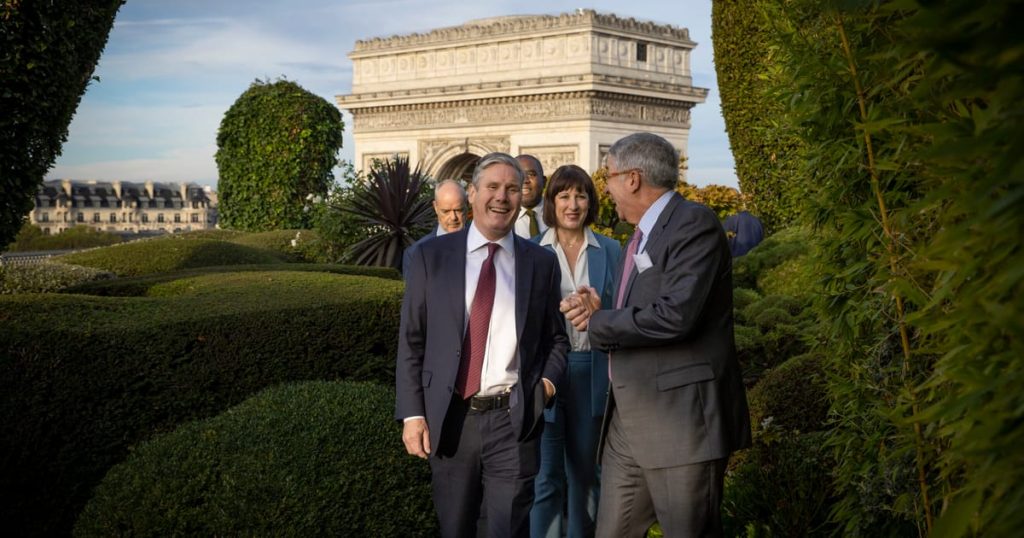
x=395 y=207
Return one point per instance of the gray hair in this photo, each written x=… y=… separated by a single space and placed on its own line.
x=654 y=156
x=492 y=159
x=442 y=184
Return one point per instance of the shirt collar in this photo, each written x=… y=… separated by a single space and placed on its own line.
x=650 y=217
x=548 y=239
x=538 y=209
x=475 y=240
x=440 y=230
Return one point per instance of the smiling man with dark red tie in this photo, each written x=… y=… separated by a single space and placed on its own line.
x=481 y=349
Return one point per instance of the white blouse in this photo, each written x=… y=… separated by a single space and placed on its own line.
x=571 y=282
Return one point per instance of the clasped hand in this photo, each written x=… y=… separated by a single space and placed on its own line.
x=579 y=306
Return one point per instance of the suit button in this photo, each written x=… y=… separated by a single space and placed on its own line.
x=449 y=389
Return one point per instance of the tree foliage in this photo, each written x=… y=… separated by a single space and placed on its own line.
x=766 y=152
x=277 y=144
x=48 y=52
x=910 y=117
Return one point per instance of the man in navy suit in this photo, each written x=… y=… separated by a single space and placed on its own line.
x=450 y=207
x=481 y=348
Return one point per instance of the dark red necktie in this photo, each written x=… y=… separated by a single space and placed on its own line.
x=475 y=342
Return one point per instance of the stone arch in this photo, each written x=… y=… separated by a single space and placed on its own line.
x=459 y=167
x=452 y=155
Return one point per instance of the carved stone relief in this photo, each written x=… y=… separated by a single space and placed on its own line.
x=368 y=158
x=434 y=153
x=552 y=107
x=551 y=157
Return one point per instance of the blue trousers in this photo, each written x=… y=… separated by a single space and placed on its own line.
x=568 y=459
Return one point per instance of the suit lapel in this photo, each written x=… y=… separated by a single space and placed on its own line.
x=524 y=281
x=596 y=267
x=653 y=243
x=454 y=281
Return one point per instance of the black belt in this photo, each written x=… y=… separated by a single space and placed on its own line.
x=489 y=403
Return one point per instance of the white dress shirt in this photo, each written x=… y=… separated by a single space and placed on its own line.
x=523 y=220
x=650 y=218
x=501 y=360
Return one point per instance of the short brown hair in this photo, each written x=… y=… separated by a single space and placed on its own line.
x=570 y=176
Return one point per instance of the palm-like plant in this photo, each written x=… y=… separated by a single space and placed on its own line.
x=394 y=204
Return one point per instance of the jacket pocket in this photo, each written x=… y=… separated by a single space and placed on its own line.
x=687 y=375
x=425 y=378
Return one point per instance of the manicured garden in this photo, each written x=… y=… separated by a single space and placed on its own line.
x=89 y=374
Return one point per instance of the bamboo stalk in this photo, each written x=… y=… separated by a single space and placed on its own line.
x=893 y=266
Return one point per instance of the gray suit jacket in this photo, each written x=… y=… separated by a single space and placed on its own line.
x=675 y=378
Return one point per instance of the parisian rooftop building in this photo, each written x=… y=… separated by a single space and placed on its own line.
x=122 y=206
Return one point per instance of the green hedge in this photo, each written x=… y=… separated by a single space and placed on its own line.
x=50 y=51
x=46 y=277
x=780 y=488
x=163 y=254
x=31 y=237
x=84 y=378
x=294 y=245
x=776 y=249
x=308 y=459
x=139 y=286
x=792 y=396
x=766 y=149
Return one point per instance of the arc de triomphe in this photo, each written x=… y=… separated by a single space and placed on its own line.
x=561 y=87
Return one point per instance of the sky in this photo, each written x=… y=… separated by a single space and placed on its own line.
x=171 y=69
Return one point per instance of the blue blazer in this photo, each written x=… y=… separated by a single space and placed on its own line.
x=602 y=266
x=433 y=323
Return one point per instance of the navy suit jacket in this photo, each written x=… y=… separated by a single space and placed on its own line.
x=407 y=253
x=602 y=264
x=433 y=323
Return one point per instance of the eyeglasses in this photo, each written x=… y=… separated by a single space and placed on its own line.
x=620 y=172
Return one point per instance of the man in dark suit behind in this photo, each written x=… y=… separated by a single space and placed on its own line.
x=480 y=351
x=677 y=406
x=450 y=208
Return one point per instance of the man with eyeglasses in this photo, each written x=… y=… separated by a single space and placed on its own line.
x=676 y=407
x=530 y=223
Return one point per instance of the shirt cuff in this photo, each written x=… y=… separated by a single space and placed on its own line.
x=407 y=419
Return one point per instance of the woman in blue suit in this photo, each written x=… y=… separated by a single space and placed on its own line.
x=568 y=465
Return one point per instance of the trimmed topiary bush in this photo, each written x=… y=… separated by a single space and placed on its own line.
x=741 y=297
x=294 y=245
x=774 y=250
x=792 y=396
x=31 y=237
x=767 y=150
x=50 y=50
x=780 y=488
x=46 y=277
x=84 y=378
x=771 y=329
x=310 y=459
x=277 y=144
x=793 y=277
x=139 y=286
x=170 y=253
